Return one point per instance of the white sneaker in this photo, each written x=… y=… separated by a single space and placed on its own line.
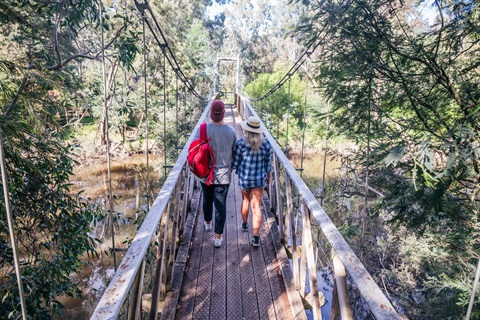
x=217 y=242
x=208 y=226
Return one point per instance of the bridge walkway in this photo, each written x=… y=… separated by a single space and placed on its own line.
x=237 y=280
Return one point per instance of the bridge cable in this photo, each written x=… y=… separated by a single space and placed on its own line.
x=278 y=116
x=164 y=117
x=109 y=171
x=288 y=111
x=472 y=294
x=184 y=98
x=291 y=72
x=145 y=93
x=304 y=127
x=168 y=54
x=327 y=111
x=11 y=230
x=176 y=113
x=364 y=215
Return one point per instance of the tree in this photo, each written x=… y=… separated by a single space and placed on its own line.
x=409 y=90
x=42 y=42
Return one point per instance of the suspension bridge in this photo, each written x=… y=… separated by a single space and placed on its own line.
x=191 y=279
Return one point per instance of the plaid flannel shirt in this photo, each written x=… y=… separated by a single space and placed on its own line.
x=252 y=167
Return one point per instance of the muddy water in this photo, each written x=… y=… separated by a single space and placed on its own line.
x=313 y=165
x=129 y=182
x=129 y=187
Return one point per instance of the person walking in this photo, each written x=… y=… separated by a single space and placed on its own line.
x=252 y=163
x=222 y=140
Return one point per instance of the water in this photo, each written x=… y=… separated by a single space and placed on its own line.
x=129 y=187
x=313 y=163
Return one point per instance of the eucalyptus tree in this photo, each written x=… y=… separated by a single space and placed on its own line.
x=406 y=89
x=43 y=46
x=261 y=33
x=287 y=107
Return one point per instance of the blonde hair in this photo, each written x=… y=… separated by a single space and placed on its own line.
x=253 y=139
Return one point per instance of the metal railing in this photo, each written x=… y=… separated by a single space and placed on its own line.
x=296 y=209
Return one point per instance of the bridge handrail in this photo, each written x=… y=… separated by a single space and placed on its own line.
x=378 y=303
x=117 y=292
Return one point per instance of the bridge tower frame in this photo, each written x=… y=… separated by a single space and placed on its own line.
x=216 y=81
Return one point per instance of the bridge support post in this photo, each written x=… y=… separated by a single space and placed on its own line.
x=340 y=292
x=317 y=298
x=135 y=303
x=278 y=197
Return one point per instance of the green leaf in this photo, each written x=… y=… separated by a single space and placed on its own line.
x=395 y=155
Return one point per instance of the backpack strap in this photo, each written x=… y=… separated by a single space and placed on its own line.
x=203 y=131
x=203 y=136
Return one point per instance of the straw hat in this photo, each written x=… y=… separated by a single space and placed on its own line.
x=252 y=124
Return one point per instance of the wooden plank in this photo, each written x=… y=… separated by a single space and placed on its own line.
x=307 y=244
x=189 y=286
x=288 y=211
x=174 y=237
x=234 y=222
x=262 y=286
x=135 y=303
x=218 y=294
x=249 y=298
x=342 y=289
x=173 y=298
x=292 y=236
x=204 y=282
x=296 y=305
x=278 y=197
x=277 y=287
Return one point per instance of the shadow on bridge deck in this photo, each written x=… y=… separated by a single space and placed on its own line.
x=235 y=281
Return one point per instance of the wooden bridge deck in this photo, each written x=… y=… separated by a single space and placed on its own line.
x=237 y=280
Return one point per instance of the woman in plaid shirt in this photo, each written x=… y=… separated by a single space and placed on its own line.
x=253 y=164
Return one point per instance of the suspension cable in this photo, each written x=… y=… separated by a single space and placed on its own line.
x=164 y=117
x=176 y=110
x=109 y=171
x=304 y=126
x=303 y=57
x=288 y=112
x=13 y=240
x=327 y=110
x=170 y=57
x=368 y=157
x=145 y=93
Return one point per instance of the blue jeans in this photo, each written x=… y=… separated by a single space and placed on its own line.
x=215 y=194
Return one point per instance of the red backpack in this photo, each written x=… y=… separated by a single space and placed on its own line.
x=201 y=160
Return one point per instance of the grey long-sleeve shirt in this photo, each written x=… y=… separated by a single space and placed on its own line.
x=222 y=141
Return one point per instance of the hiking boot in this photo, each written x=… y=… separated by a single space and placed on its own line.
x=208 y=226
x=255 y=241
x=244 y=227
x=217 y=242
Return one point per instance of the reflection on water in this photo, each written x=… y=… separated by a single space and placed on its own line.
x=129 y=182
x=129 y=189
x=313 y=164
